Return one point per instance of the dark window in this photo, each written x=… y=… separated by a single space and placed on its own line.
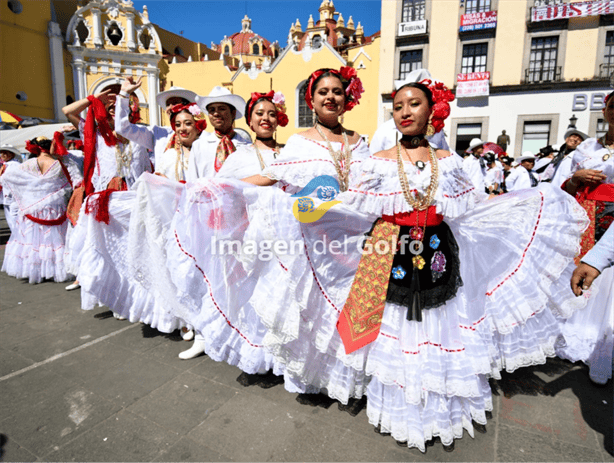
x=602 y=128
x=178 y=51
x=413 y=10
x=535 y=135
x=477 y=6
x=465 y=133
x=146 y=39
x=114 y=33
x=227 y=50
x=256 y=49
x=474 y=58
x=542 y=64
x=82 y=31
x=305 y=118
x=316 y=42
x=410 y=61
x=607 y=68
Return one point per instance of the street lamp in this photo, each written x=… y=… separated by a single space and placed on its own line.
x=572 y=121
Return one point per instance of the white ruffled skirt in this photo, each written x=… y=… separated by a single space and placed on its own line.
x=35 y=251
x=587 y=335
x=422 y=379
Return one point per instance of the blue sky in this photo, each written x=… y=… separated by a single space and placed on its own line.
x=206 y=20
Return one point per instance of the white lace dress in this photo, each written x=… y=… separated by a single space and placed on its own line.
x=429 y=378
x=36 y=250
x=588 y=334
x=228 y=286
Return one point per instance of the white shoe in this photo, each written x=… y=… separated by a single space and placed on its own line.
x=73 y=286
x=118 y=316
x=197 y=349
x=187 y=335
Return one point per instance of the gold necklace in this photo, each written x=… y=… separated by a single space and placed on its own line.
x=123 y=157
x=260 y=158
x=419 y=203
x=341 y=159
x=610 y=153
x=182 y=159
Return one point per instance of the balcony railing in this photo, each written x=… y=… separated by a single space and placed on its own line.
x=550 y=74
x=606 y=70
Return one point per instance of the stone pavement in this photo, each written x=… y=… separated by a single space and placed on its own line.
x=82 y=386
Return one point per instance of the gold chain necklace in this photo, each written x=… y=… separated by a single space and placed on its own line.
x=182 y=160
x=123 y=157
x=261 y=159
x=341 y=159
x=419 y=203
x=610 y=152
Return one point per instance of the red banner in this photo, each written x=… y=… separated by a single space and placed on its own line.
x=572 y=10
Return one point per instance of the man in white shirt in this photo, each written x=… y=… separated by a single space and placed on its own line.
x=522 y=176
x=559 y=169
x=155 y=138
x=472 y=165
x=211 y=150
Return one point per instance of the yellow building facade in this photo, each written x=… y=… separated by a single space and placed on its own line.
x=288 y=73
x=530 y=67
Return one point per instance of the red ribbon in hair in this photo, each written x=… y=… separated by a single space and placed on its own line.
x=96 y=120
x=33 y=148
x=252 y=101
x=200 y=124
x=60 y=149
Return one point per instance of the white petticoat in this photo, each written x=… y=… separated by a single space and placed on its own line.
x=587 y=335
x=35 y=251
x=123 y=264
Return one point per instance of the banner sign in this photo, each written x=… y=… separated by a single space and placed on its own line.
x=474 y=84
x=478 y=21
x=572 y=10
x=412 y=28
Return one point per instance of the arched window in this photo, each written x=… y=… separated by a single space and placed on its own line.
x=178 y=51
x=305 y=118
x=227 y=50
x=114 y=33
x=256 y=49
x=82 y=31
x=317 y=41
x=146 y=39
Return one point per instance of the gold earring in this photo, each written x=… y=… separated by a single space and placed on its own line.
x=430 y=130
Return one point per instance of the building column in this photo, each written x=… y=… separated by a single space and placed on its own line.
x=130 y=31
x=56 y=54
x=153 y=85
x=98 y=38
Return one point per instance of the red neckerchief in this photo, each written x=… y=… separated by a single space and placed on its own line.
x=224 y=149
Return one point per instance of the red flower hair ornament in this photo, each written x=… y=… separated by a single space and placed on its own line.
x=350 y=80
x=194 y=110
x=441 y=102
x=277 y=98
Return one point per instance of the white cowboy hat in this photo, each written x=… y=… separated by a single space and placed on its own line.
x=13 y=150
x=473 y=144
x=162 y=97
x=417 y=75
x=575 y=131
x=526 y=156
x=222 y=95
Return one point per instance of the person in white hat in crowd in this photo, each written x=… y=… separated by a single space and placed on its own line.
x=154 y=138
x=11 y=157
x=387 y=135
x=472 y=164
x=522 y=176
x=559 y=169
x=211 y=150
x=494 y=175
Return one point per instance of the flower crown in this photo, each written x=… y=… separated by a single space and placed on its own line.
x=277 y=98
x=194 y=110
x=350 y=80
x=441 y=98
